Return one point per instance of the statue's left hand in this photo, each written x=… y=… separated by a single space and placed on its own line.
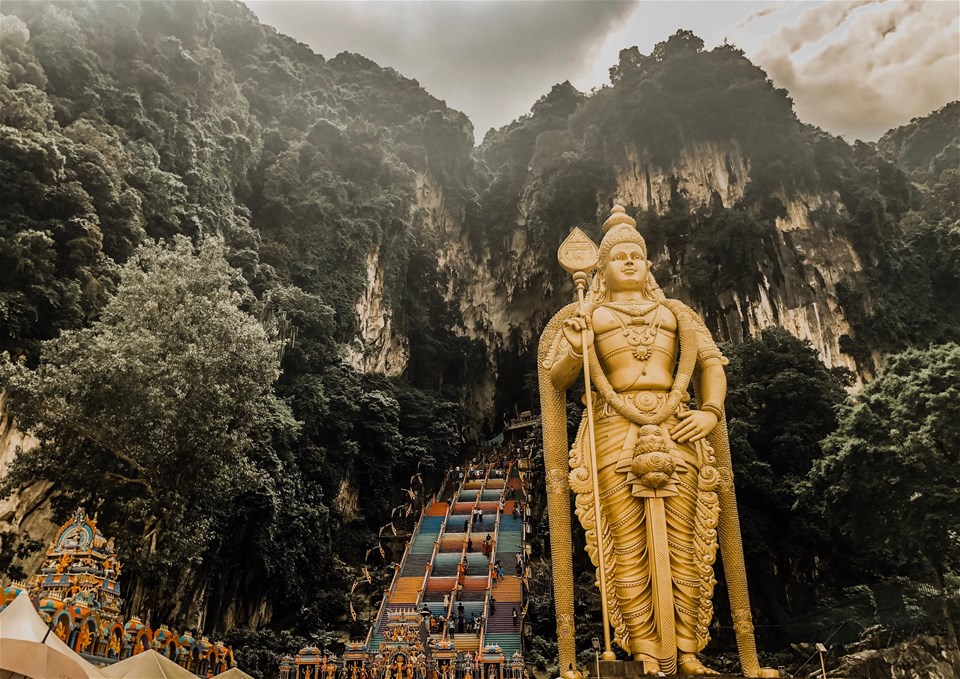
x=693 y=426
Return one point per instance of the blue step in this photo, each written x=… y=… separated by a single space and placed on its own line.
x=445 y=565
x=415 y=564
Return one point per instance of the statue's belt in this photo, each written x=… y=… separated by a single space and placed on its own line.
x=684 y=456
x=646 y=401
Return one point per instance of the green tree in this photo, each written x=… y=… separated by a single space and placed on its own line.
x=890 y=477
x=780 y=403
x=161 y=414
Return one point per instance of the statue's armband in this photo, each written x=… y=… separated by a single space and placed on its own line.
x=708 y=353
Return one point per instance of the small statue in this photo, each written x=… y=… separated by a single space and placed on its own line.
x=62 y=631
x=84 y=639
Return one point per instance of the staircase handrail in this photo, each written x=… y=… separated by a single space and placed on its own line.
x=463 y=550
x=436 y=548
x=433 y=555
x=493 y=553
x=463 y=554
x=396 y=575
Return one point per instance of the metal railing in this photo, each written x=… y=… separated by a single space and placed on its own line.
x=396 y=576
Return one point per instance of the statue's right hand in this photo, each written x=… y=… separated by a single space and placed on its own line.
x=577 y=329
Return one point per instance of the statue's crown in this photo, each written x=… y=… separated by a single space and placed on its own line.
x=618 y=215
x=619 y=228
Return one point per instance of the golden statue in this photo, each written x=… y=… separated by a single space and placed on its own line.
x=84 y=639
x=62 y=631
x=664 y=482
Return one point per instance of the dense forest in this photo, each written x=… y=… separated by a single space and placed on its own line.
x=307 y=293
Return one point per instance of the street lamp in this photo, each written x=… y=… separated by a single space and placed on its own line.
x=596 y=649
x=821 y=649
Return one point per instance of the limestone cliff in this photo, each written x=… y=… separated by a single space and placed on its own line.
x=505 y=290
x=377 y=347
x=26 y=518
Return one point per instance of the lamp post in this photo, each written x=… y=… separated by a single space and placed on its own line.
x=596 y=649
x=821 y=649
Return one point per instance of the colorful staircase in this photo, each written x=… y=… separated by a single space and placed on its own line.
x=437 y=551
x=501 y=629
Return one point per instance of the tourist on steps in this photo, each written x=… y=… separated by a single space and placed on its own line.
x=516 y=617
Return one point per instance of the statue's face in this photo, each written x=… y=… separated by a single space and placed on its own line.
x=626 y=268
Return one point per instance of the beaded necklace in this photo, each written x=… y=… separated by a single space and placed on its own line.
x=684 y=372
x=641 y=333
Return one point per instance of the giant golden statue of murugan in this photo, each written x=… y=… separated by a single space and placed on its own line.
x=664 y=484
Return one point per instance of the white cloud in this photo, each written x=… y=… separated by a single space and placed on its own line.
x=860 y=68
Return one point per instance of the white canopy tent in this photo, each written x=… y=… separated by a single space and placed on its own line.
x=29 y=649
x=233 y=673
x=147 y=665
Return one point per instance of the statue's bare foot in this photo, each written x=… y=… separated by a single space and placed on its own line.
x=650 y=666
x=689 y=665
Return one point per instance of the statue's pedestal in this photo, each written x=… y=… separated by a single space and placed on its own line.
x=630 y=669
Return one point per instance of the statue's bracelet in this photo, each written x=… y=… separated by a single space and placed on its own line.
x=574 y=354
x=712 y=408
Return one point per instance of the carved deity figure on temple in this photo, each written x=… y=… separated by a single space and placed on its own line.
x=84 y=639
x=656 y=464
x=61 y=630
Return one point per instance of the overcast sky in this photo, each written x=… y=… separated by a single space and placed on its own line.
x=853 y=68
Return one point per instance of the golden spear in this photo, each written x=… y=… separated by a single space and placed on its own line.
x=578 y=255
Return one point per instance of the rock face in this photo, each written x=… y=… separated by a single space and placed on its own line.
x=377 y=347
x=27 y=515
x=799 y=276
x=506 y=291
x=700 y=171
x=924 y=657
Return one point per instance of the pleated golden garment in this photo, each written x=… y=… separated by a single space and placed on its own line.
x=690 y=539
